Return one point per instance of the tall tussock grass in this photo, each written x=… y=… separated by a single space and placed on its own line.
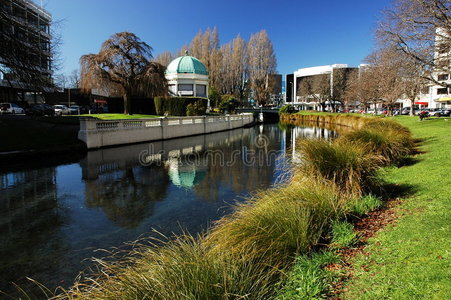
x=183 y=268
x=246 y=253
x=346 y=164
x=381 y=137
x=281 y=222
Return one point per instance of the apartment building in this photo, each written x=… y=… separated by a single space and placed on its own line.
x=25 y=53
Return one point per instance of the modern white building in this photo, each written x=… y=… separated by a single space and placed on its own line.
x=328 y=71
x=187 y=76
x=436 y=95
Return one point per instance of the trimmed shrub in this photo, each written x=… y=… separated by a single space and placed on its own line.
x=177 y=106
x=197 y=108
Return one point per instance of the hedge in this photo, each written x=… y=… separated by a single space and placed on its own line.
x=177 y=106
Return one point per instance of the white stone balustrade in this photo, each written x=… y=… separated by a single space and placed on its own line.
x=102 y=133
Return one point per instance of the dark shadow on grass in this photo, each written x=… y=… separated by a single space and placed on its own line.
x=393 y=191
x=407 y=161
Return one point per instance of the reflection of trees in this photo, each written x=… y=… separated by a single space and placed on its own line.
x=127 y=196
x=30 y=220
x=240 y=176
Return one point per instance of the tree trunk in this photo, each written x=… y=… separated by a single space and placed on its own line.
x=127 y=104
x=412 y=112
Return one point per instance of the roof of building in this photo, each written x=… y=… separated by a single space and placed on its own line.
x=186 y=65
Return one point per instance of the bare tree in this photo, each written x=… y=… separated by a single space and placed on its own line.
x=123 y=66
x=261 y=62
x=205 y=47
x=60 y=81
x=164 y=58
x=234 y=68
x=74 y=79
x=363 y=88
x=341 y=81
x=315 y=89
x=386 y=75
x=420 y=29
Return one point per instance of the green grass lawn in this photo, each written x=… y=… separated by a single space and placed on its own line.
x=411 y=258
x=119 y=116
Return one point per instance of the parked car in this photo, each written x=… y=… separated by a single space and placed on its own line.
x=446 y=112
x=435 y=112
x=440 y=113
x=74 y=110
x=61 y=110
x=40 y=110
x=11 y=108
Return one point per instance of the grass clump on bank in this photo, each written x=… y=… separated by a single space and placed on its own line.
x=349 y=165
x=248 y=252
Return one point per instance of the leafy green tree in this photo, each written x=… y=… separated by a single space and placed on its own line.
x=214 y=96
x=228 y=103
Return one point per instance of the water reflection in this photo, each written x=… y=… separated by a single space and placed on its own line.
x=53 y=218
x=127 y=196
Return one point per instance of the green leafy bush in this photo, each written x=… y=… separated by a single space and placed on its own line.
x=228 y=103
x=287 y=109
x=214 y=96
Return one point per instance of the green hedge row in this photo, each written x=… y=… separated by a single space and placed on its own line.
x=178 y=106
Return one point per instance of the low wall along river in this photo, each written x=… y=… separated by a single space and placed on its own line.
x=101 y=133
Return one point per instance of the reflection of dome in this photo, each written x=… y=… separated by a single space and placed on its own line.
x=186 y=65
x=185 y=176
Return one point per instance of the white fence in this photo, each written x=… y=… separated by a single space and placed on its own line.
x=101 y=133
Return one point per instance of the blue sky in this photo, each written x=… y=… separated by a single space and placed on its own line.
x=304 y=33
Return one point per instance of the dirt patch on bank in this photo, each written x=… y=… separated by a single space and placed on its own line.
x=366 y=228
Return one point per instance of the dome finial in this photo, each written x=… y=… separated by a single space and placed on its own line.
x=186 y=52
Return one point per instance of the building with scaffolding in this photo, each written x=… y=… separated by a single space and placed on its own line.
x=25 y=51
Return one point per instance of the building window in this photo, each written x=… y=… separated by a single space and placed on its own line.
x=442 y=91
x=185 y=87
x=185 y=90
x=443 y=77
x=201 y=90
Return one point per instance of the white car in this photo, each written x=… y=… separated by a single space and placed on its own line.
x=74 y=110
x=11 y=108
x=61 y=110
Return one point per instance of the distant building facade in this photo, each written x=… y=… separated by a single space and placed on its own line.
x=437 y=95
x=327 y=77
x=28 y=24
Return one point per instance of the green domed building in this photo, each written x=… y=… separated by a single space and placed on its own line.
x=187 y=76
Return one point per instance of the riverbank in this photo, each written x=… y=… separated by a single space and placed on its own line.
x=250 y=251
x=410 y=259
x=24 y=137
x=385 y=256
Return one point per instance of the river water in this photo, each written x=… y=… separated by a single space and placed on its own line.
x=53 y=218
